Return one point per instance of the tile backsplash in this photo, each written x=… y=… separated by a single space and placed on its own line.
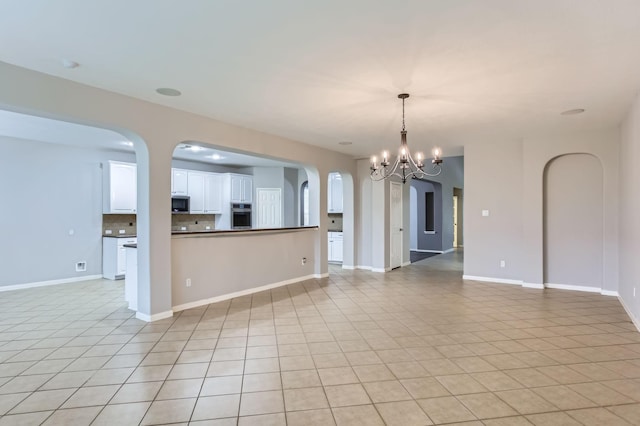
x=335 y=222
x=119 y=222
x=193 y=222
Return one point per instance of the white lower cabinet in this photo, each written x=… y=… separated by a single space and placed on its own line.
x=335 y=247
x=114 y=256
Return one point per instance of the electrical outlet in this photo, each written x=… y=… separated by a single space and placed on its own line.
x=304 y=261
x=81 y=266
x=188 y=282
x=503 y=264
x=485 y=213
x=108 y=232
x=207 y=227
x=183 y=228
x=122 y=231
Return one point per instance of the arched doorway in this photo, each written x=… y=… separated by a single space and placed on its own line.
x=573 y=223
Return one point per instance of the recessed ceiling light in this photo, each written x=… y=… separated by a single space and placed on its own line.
x=126 y=143
x=217 y=157
x=167 y=91
x=573 y=111
x=67 y=63
x=345 y=143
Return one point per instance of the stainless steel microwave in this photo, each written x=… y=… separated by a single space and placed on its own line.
x=179 y=204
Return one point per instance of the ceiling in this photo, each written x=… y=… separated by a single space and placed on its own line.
x=324 y=72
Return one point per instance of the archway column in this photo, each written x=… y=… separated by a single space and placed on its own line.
x=154 y=229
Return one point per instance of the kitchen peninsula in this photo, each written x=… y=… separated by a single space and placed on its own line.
x=202 y=271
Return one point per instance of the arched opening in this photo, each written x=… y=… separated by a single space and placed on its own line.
x=573 y=222
x=304 y=203
x=76 y=187
x=425 y=219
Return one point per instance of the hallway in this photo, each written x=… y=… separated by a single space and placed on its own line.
x=415 y=346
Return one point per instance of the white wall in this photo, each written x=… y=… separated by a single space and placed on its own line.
x=630 y=211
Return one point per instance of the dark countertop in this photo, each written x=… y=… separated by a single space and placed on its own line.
x=120 y=236
x=135 y=246
x=242 y=231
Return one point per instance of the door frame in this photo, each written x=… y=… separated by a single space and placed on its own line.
x=397 y=185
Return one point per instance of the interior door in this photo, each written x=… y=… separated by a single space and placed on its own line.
x=269 y=208
x=455 y=221
x=396 y=225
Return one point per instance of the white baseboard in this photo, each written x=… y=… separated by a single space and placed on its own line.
x=609 y=293
x=572 y=287
x=154 y=317
x=363 y=267
x=451 y=250
x=350 y=267
x=492 y=280
x=246 y=292
x=427 y=251
x=406 y=264
x=51 y=282
x=634 y=320
x=380 y=269
x=537 y=286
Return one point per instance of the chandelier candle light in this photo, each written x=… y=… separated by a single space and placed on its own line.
x=405 y=166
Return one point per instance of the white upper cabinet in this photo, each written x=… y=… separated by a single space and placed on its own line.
x=196 y=192
x=179 y=182
x=119 y=187
x=213 y=193
x=205 y=193
x=241 y=188
x=334 y=193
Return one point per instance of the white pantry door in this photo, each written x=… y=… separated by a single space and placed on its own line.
x=269 y=207
x=396 y=225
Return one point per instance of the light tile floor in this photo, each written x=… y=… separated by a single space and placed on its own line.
x=416 y=346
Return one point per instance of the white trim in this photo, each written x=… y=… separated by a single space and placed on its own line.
x=492 y=280
x=634 y=320
x=610 y=293
x=380 y=269
x=51 y=282
x=427 y=251
x=348 y=266
x=154 y=317
x=430 y=232
x=363 y=267
x=573 y=287
x=406 y=264
x=533 y=285
x=246 y=292
x=448 y=250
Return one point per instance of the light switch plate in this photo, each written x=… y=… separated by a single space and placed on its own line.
x=485 y=213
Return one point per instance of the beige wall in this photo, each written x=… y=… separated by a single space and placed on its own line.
x=630 y=211
x=276 y=256
x=155 y=131
x=507 y=179
x=573 y=221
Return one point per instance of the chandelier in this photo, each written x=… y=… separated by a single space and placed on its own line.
x=405 y=166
